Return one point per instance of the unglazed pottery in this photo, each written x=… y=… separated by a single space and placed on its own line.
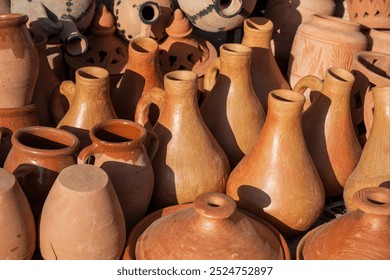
x=82 y=218
x=379 y=40
x=141 y=18
x=18 y=62
x=217 y=15
x=370 y=13
x=118 y=147
x=5 y=7
x=231 y=109
x=278 y=180
x=287 y=15
x=90 y=103
x=362 y=234
x=373 y=168
x=37 y=155
x=265 y=73
x=17 y=230
x=142 y=73
x=328 y=130
x=321 y=43
x=189 y=160
x=210 y=228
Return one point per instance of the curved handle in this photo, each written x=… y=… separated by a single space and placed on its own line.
x=310 y=81
x=210 y=77
x=156 y=96
x=87 y=152
x=151 y=144
x=68 y=88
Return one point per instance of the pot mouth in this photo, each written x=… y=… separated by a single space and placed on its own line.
x=12 y=19
x=228 y=8
x=287 y=96
x=92 y=73
x=144 y=45
x=76 y=44
x=341 y=74
x=149 y=12
x=372 y=62
x=181 y=75
x=373 y=200
x=258 y=24
x=235 y=48
x=215 y=206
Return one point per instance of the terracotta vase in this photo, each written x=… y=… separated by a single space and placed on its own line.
x=105 y=49
x=82 y=218
x=265 y=73
x=89 y=100
x=362 y=234
x=140 y=18
x=379 y=40
x=231 y=109
x=18 y=62
x=216 y=16
x=370 y=69
x=328 y=130
x=47 y=82
x=17 y=228
x=373 y=168
x=287 y=15
x=214 y=229
x=321 y=43
x=189 y=160
x=37 y=155
x=118 y=147
x=11 y=120
x=278 y=180
x=142 y=73
x=370 y=13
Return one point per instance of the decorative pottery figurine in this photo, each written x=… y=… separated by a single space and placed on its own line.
x=18 y=62
x=37 y=155
x=189 y=160
x=370 y=13
x=321 y=43
x=216 y=16
x=82 y=218
x=89 y=100
x=231 y=109
x=17 y=230
x=118 y=147
x=328 y=130
x=142 y=73
x=362 y=234
x=278 y=180
x=373 y=168
x=141 y=18
x=211 y=228
x=265 y=73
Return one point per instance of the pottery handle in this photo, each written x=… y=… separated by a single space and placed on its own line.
x=210 y=77
x=156 y=96
x=310 y=81
x=88 y=152
x=68 y=88
x=152 y=142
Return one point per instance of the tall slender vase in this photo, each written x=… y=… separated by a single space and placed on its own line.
x=189 y=160
x=278 y=180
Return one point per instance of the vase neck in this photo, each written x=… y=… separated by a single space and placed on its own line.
x=285 y=106
x=257 y=32
x=337 y=87
x=381 y=121
x=235 y=60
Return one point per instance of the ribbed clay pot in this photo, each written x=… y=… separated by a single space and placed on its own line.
x=82 y=218
x=362 y=234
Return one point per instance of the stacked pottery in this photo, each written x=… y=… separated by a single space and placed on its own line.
x=189 y=160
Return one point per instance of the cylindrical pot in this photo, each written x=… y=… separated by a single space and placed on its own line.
x=17 y=226
x=118 y=147
x=82 y=218
x=362 y=234
x=379 y=40
x=19 y=62
x=370 y=13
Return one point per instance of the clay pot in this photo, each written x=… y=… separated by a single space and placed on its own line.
x=231 y=109
x=82 y=218
x=379 y=40
x=189 y=160
x=118 y=147
x=212 y=227
x=140 y=18
x=278 y=180
x=265 y=73
x=327 y=126
x=216 y=16
x=11 y=120
x=287 y=15
x=321 y=43
x=17 y=228
x=362 y=234
x=18 y=62
x=142 y=73
x=89 y=100
x=37 y=155
x=5 y=7
x=370 y=13
x=373 y=168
